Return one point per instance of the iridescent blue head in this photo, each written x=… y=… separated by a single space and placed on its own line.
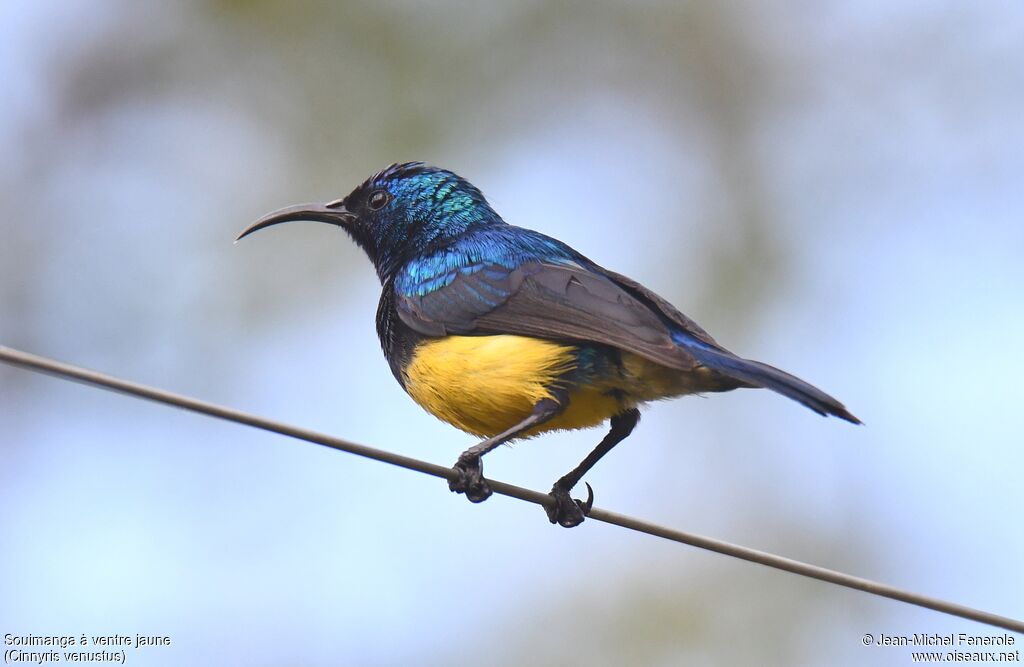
x=398 y=213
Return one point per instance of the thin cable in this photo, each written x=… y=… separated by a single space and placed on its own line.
x=68 y=372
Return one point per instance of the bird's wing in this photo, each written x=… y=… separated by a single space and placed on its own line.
x=554 y=300
x=681 y=322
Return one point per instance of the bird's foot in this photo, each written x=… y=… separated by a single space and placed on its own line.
x=469 y=479
x=566 y=511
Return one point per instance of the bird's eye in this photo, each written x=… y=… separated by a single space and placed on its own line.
x=378 y=199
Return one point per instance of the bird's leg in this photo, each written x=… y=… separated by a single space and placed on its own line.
x=568 y=512
x=468 y=475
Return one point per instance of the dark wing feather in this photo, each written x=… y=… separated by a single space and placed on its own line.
x=669 y=311
x=548 y=300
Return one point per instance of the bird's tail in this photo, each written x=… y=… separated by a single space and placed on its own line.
x=758 y=374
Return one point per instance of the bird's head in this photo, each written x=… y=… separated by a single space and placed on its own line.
x=399 y=212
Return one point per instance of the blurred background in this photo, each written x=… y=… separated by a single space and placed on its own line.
x=834 y=188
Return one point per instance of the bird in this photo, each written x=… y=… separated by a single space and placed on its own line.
x=506 y=333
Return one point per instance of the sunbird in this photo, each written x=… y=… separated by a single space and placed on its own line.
x=506 y=333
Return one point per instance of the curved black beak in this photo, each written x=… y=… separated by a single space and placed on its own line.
x=333 y=213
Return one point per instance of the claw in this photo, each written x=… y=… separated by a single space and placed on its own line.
x=479 y=491
x=567 y=511
x=469 y=479
x=589 y=504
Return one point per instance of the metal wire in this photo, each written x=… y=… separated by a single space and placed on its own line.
x=68 y=372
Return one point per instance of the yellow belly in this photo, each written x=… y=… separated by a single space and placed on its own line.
x=487 y=384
